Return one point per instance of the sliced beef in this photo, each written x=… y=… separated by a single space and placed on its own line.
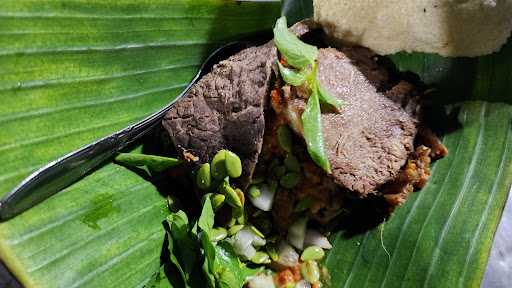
x=371 y=139
x=367 y=62
x=405 y=94
x=225 y=109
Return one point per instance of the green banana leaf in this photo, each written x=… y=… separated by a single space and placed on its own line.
x=74 y=71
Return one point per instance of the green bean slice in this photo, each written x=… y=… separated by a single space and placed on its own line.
x=312 y=253
x=233 y=164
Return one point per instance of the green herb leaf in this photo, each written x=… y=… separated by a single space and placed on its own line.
x=210 y=279
x=152 y=162
x=206 y=219
x=327 y=98
x=221 y=266
x=209 y=251
x=296 y=53
x=176 y=263
x=230 y=271
x=312 y=122
x=205 y=222
x=293 y=77
x=188 y=247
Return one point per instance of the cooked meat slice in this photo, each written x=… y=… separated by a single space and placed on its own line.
x=370 y=140
x=366 y=61
x=405 y=95
x=225 y=109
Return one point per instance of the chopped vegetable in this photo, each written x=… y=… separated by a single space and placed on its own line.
x=234 y=229
x=152 y=162
x=266 y=198
x=241 y=195
x=297 y=233
x=287 y=255
x=203 y=177
x=284 y=137
x=218 y=166
x=233 y=164
x=232 y=197
x=260 y=258
x=254 y=191
x=261 y=281
x=203 y=256
x=218 y=201
x=310 y=271
x=245 y=241
x=228 y=270
x=272 y=252
x=302 y=284
x=217 y=234
x=239 y=215
x=312 y=253
x=257 y=232
x=221 y=265
x=315 y=238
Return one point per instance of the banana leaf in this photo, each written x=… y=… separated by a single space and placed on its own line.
x=74 y=71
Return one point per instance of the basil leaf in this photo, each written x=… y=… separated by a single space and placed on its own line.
x=290 y=76
x=174 y=261
x=210 y=279
x=206 y=219
x=312 y=122
x=209 y=252
x=296 y=53
x=230 y=272
x=188 y=247
x=152 y=162
x=327 y=98
x=205 y=222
